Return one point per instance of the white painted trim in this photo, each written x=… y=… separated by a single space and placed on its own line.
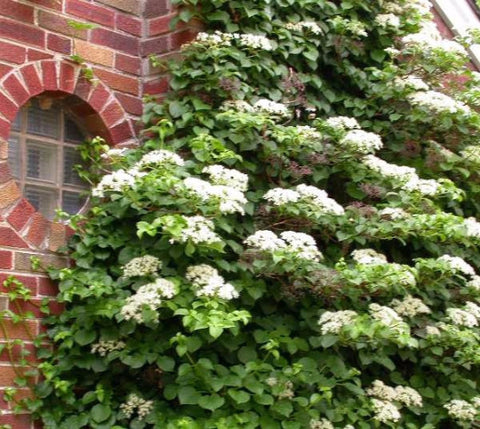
x=459 y=17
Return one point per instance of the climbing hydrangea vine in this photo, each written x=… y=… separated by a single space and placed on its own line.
x=295 y=245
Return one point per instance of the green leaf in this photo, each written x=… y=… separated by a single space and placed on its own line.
x=84 y=337
x=166 y=363
x=239 y=396
x=211 y=402
x=188 y=395
x=247 y=354
x=100 y=413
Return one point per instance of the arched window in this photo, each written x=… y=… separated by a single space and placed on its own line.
x=42 y=154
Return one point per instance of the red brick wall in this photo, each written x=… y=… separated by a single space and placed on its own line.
x=36 y=43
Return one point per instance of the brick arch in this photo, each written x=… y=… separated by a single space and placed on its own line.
x=21 y=225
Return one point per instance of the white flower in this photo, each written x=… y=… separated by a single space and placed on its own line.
x=461 y=317
x=310 y=26
x=105 y=347
x=320 y=200
x=400 y=173
x=385 y=411
x=332 y=322
x=301 y=245
x=237 y=105
x=116 y=182
x=432 y=330
x=270 y=107
x=410 y=306
x=219 y=175
x=380 y=390
x=142 y=266
x=408 y=396
x=473 y=227
x=474 y=283
x=461 y=410
x=473 y=309
x=136 y=403
x=342 y=123
x=360 y=141
x=457 y=264
x=308 y=133
x=472 y=154
x=199 y=230
x=387 y=20
x=114 y=153
x=410 y=82
x=386 y=315
x=428 y=187
x=254 y=41
x=393 y=213
x=368 y=257
x=161 y=158
x=280 y=197
x=265 y=240
x=321 y=424
x=209 y=283
x=437 y=102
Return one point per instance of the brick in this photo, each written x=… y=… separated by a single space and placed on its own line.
x=119 y=82
x=181 y=37
x=128 y=24
x=131 y=6
x=5 y=174
x=59 y=44
x=34 y=55
x=155 y=45
x=23 y=331
x=16 y=89
x=7 y=107
x=160 y=25
x=59 y=24
x=46 y=287
x=67 y=77
x=83 y=88
x=90 y=12
x=50 y=4
x=9 y=238
x=94 y=53
x=154 y=8
x=131 y=104
x=49 y=75
x=114 y=40
x=112 y=113
x=22 y=261
x=99 y=97
x=23 y=33
x=21 y=214
x=31 y=306
x=38 y=229
x=4 y=131
x=12 y=53
x=4 y=69
x=156 y=86
x=32 y=79
x=128 y=64
x=57 y=237
x=121 y=132
x=3 y=149
x=15 y=10
x=28 y=281
x=9 y=193
x=17 y=421
x=6 y=259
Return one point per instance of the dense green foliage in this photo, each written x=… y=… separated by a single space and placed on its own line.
x=270 y=304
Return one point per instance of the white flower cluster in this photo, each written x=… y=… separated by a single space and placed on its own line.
x=318 y=199
x=142 y=266
x=237 y=105
x=321 y=424
x=360 y=141
x=387 y=20
x=410 y=306
x=428 y=187
x=385 y=315
x=342 y=123
x=209 y=283
x=332 y=322
x=219 y=39
x=229 y=199
x=148 y=295
x=138 y=404
x=436 y=102
x=399 y=173
x=105 y=347
x=307 y=132
x=368 y=257
x=310 y=26
x=296 y=244
x=287 y=392
x=410 y=82
x=199 y=230
x=472 y=154
x=474 y=283
x=461 y=410
x=116 y=181
x=114 y=153
x=385 y=411
x=432 y=330
x=468 y=317
x=220 y=175
x=270 y=107
x=457 y=264
x=393 y=213
x=472 y=227
x=160 y=157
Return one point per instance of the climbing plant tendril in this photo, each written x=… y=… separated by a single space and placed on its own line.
x=295 y=245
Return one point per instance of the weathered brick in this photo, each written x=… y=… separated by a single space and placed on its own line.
x=59 y=24
x=94 y=53
x=50 y=4
x=30 y=282
x=59 y=44
x=22 y=261
x=31 y=306
x=56 y=238
x=9 y=193
x=21 y=214
x=99 y=97
x=156 y=86
x=7 y=107
x=118 y=81
x=67 y=77
x=128 y=24
x=112 y=113
x=38 y=229
x=32 y=79
x=3 y=149
x=181 y=37
x=49 y=74
x=16 y=90
x=5 y=174
x=12 y=53
x=21 y=32
x=16 y=10
x=121 y=132
x=155 y=45
x=6 y=259
x=154 y=8
x=160 y=25
x=128 y=64
x=9 y=238
x=4 y=69
x=131 y=104
x=114 y=40
x=34 y=55
x=23 y=330
x=47 y=287
x=4 y=129
x=131 y=6
x=17 y=421
x=90 y=12
x=83 y=88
